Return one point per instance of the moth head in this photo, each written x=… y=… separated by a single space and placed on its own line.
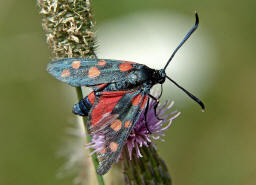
x=160 y=76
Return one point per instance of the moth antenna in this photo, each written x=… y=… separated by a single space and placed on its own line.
x=184 y=40
x=189 y=94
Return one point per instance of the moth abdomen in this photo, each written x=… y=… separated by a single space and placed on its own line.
x=83 y=107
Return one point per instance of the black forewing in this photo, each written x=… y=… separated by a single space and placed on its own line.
x=116 y=126
x=90 y=72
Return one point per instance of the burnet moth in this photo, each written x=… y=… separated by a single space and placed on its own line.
x=121 y=90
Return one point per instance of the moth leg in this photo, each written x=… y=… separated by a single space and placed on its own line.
x=161 y=92
x=154 y=98
x=145 y=115
x=157 y=102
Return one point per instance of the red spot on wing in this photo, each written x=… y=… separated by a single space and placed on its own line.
x=102 y=63
x=76 y=64
x=125 y=67
x=116 y=125
x=91 y=97
x=103 y=151
x=113 y=146
x=65 y=73
x=145 y=99
x=127 y=124
x=93 y=72
x=107 y=102
x=136 y=100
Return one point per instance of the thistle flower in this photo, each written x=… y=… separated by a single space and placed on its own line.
x=153 y=127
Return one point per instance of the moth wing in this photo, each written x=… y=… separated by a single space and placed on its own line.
x=114 y=115
x=90 y=72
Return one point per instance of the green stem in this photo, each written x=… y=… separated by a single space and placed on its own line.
x=150 y=169
x=89 y=139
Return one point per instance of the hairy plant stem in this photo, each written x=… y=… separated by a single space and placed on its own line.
x=69 y=28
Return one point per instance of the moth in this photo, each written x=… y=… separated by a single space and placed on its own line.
x=121 y=90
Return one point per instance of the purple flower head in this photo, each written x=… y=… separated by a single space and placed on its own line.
x=158 y=120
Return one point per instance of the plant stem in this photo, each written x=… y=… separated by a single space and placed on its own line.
x=89 y=139
x=69 y=28
x=150 y=169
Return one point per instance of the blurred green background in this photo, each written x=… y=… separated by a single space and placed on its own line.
x=216 y=147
